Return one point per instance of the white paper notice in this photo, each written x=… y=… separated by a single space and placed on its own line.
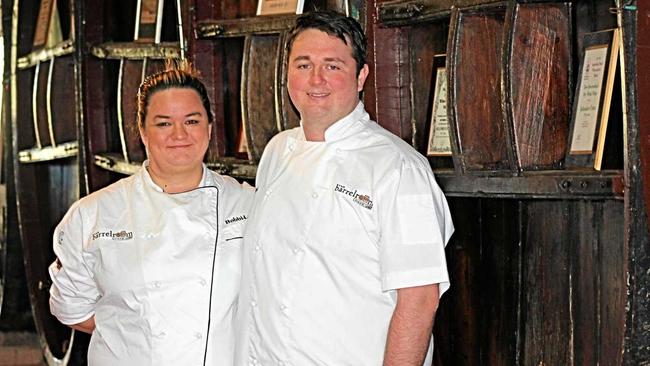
x=439 y=143
x=591 y=85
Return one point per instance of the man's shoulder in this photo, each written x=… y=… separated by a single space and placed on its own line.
x=390 y=145
x=281 y=137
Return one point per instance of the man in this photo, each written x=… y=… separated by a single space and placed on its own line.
x=344 y=249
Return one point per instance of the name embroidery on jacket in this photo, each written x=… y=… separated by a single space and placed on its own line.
x=360 y=199
x=117 y=235
x=235 y=219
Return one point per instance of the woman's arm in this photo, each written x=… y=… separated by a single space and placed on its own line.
x=86 y=326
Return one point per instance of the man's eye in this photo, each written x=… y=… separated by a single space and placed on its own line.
x=333 y=67
x=302 y=67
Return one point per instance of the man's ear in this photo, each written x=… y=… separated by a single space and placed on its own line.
x=361 y=79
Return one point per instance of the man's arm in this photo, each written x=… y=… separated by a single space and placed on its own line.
x=86 y=326
x=411 y=326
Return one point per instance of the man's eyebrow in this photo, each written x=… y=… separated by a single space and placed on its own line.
x=334 y=59
x=327 y=59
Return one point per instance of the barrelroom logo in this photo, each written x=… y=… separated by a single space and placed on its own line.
x=361 y=199
x=113 y=235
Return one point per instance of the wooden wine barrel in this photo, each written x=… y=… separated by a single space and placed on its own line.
x=43 y=126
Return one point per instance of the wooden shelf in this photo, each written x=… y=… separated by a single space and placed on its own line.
x=64 y=48
x=399 y=13
x=537 y=185
x=244 y=26
x=136 y=51
x=238 y=168
x=49 y=153
x=116 y=163
x=406 y=12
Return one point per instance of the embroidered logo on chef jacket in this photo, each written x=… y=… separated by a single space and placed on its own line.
x=236 y=218
x=113 y=235
x=360 y=199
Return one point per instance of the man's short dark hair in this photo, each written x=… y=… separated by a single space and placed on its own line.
x=337 y=25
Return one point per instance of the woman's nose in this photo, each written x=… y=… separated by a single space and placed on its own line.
x=179 y=131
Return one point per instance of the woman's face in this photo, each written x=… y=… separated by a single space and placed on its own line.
x=176 y=131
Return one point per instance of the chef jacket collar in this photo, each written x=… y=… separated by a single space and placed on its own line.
x=344 y=127
x=206 y=179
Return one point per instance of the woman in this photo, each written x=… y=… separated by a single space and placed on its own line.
x=150 y=265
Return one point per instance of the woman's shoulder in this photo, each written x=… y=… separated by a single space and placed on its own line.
x=111 y=194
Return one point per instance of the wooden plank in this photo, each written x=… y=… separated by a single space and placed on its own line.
x=613 y=269
x=392 y=79
x=477 y=321
x=550 y=184
x=643 y=93
x=288 y=115
x=64 y=116
x=546 y=301
x=538 y=68
x=478 y=131
x=423 y=63
x=499 y=282
x=586 y=282
x=456 y=333
x=259 y=91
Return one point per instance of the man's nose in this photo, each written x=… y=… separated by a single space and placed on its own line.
x=316 y=76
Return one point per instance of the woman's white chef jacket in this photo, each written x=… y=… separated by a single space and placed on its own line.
x=143 y=262
x=336 y=227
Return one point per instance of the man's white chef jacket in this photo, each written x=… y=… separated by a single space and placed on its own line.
x=336 y=227
x=142 y=262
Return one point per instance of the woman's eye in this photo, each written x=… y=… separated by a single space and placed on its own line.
x=162 y=124
x=192 y=122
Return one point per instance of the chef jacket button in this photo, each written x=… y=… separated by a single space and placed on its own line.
x=198 y=335
x=338 y=151
x=162 y=335
x=156 y=284
x=268 y=192
x=202 y=281
x=283 y=307
x=253 y=304
x=314 y=195
x=296 y=250
x=291 y=147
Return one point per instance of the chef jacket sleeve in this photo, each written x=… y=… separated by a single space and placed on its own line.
x=73 y=293
x=415 y=226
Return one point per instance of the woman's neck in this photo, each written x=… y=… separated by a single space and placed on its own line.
x=176 y=182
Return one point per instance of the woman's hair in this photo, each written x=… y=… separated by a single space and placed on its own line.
x=335 y=24
x=177 y=74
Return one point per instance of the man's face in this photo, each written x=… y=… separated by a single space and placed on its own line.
x=322 y=80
